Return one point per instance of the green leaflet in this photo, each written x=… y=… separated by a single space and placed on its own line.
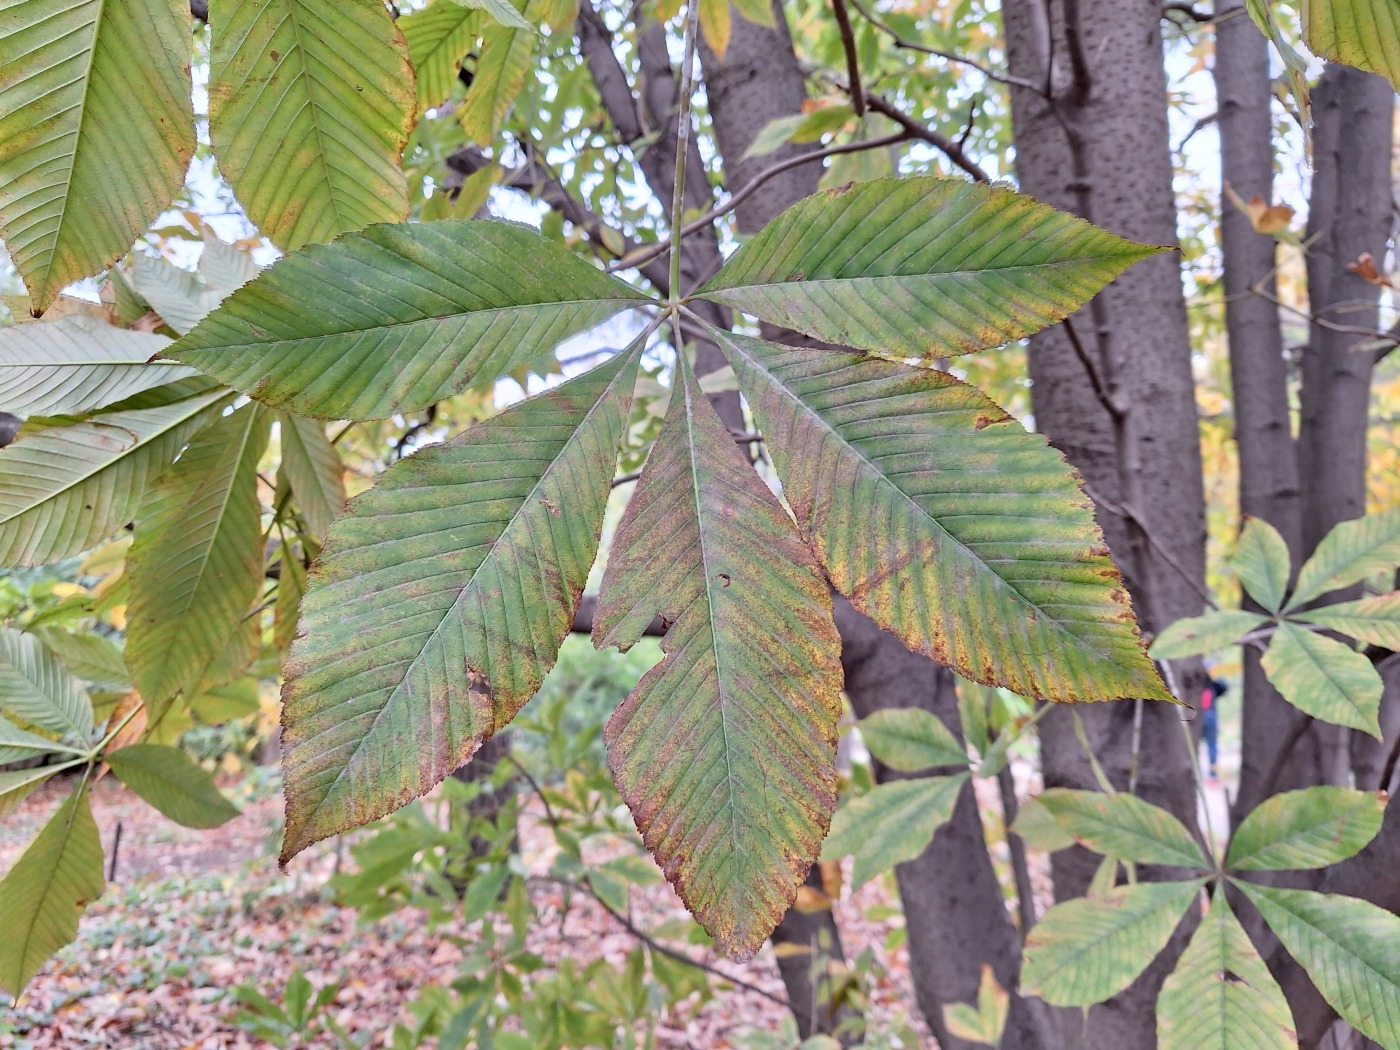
x=925 y=501
x=64 y=488
x=84 y=166
x=1361 y=33
x=1124 y=826
x=1311 y=828
x=910 y=740
x=167 y=779
x=1207 y=633
x=439 y=37
x=1350 y=949
x=986 y=1022
x=440 y=602
x=1038 y=826
x=1348 y=554
x=15 y=785
x=725 y=751
x=922 y=266
x=507 y=51
x=1373 y=621
x=184 y=297
x=310 y=105
x=891 y=823
x=395 y=318
x=36 y=688
x=1324 y=678
x=1262 y=563
x=195 y=567
x=500 y=11
x=77 y=365
x=1221 y=996
x=18 y=744
x=1087 y=950
x=313 y=467
x=58 y=876
x=88 y=655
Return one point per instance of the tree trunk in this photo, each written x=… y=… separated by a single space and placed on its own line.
x=1268 y=465
x=1113 y=390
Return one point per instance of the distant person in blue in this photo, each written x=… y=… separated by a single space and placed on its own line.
x=1210 y=721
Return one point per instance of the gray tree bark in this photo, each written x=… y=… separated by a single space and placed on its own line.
x=1268 y=464
x=1113 y=390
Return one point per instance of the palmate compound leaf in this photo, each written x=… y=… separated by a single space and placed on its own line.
x=923 y=267
x=77 y=365
x=64 y=488
x=725 y=751
x=96 y=130
x=1311 y=828
x=195 y=567
x=945 y=522
x=1361 y=33
x=41 y=897
x=310 y=106
x=397 y=317
x=1221 y=996
x=441 y=600
x=1349 y=948
x=1087 y=950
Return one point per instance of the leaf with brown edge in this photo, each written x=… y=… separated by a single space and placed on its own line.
x=945 y=522
x=725 y=751
x=441 y=600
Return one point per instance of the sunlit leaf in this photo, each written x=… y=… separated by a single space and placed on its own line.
x=921 y=266
x=1361 y=33
x=1124 y=826
x=945 y=522
x=439 y=37
x=1221 y=996
x=725 y=751
x=167 y=779
x=396 y=318
x=1311 y=828
x=1348 y=554
x=77 y=365
x=440 y=602
x=1324 y=678
x=1261 y=561
x=196 y=564
x=1349 y=948
x=891 y=823
x=1373 y=621
x=1084 y=950
x=65 y=488
x=910 y=739
x=1207 y=633
x=96 y=131
x=310 y=105
x=50 y=885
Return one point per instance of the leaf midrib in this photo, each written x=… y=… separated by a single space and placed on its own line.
x=866 y=463
x=199 y=403
x=447 y=615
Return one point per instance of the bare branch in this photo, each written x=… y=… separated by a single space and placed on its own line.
x=906 y=44
x=922 y=132
x=848 y=43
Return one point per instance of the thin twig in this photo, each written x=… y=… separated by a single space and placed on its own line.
x=920 y=131
x=1129 y=513
x=848 y=43
x=904 y=43
x=1025 y=893
x=738 y=197
x=687 y=88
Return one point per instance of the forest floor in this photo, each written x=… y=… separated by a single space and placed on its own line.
x=190 y=914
